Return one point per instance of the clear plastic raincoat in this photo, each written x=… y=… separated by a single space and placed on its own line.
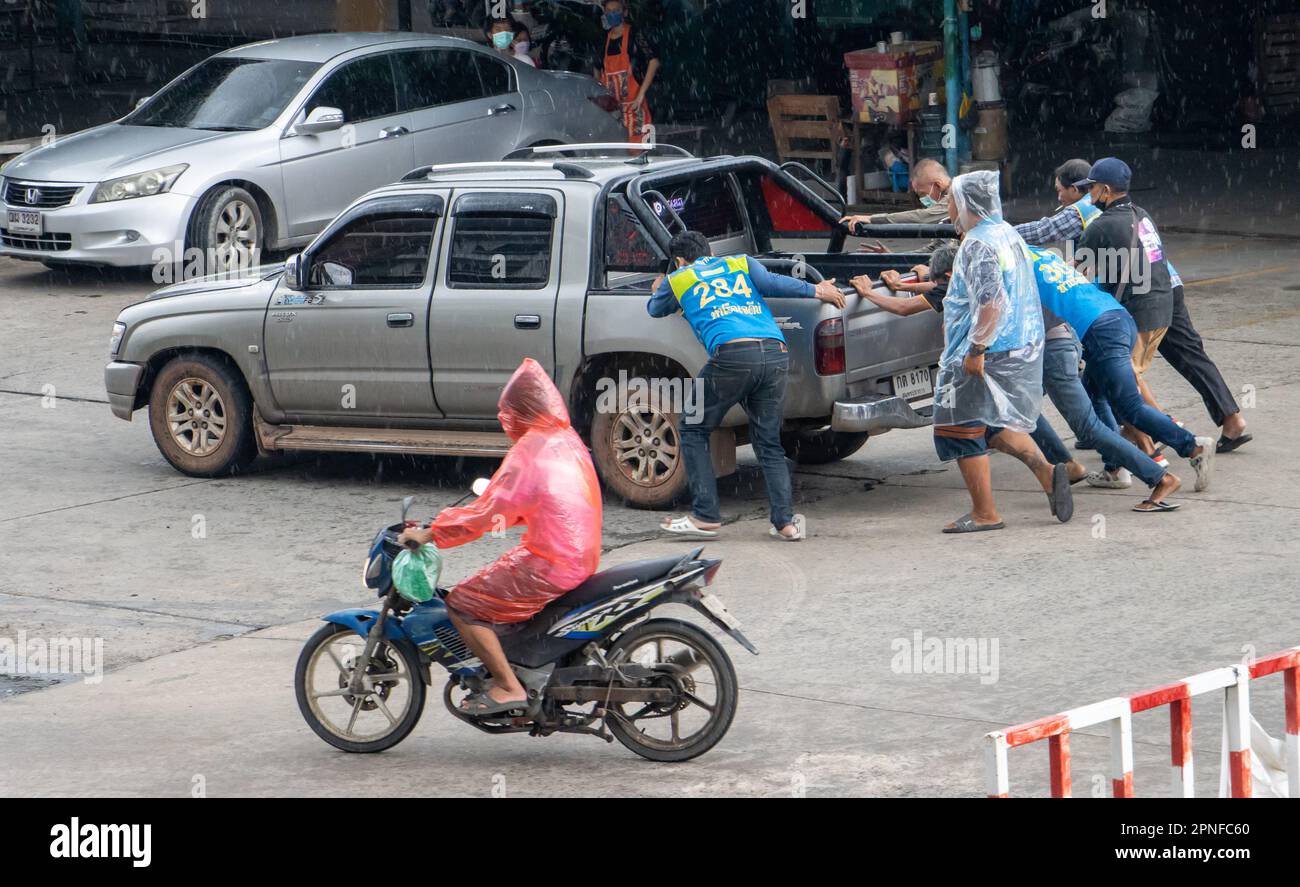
x=546 y=483
x=991 y=301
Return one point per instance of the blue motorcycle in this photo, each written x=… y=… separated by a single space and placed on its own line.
x=592 y=661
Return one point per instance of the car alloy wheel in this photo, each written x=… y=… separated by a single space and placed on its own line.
x=646 y=445
x=236 y=236
x=196 y=416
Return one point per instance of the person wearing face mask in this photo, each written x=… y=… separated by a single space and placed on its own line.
x=628 y=67
x=523 y=42
x=501 y=34
x=932 y=184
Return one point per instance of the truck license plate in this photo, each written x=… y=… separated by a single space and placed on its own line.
x=913 y=384
x=23 y=221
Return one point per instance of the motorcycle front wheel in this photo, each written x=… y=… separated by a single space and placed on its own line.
x=698 y=671
x=378 y=717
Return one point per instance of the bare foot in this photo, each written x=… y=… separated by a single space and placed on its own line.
x=1169 y=484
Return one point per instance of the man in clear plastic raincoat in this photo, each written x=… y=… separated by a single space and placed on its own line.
x=990 y=382
x=546 y=483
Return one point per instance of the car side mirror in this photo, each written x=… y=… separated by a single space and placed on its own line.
x=294 y=272
x=322 y=119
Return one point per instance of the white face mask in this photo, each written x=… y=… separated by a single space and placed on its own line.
x=522 y=46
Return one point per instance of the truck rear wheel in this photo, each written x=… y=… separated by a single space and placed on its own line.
x=201 y=416
x=818 y=446
x=638 y=453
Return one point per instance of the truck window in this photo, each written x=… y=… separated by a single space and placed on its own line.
x=499 y=251
x=375 y=251
x=626 y=246
x=708 y=205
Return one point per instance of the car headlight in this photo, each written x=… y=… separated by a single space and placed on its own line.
x=115 y=341
x=144 y=184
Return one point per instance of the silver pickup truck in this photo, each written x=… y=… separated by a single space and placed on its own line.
x=394 y=331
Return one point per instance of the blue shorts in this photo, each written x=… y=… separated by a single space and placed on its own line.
x=963 y=441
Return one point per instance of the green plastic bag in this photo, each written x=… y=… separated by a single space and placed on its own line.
x=415 y=573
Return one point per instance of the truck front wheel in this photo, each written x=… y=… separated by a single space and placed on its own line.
x=638 y=454
x=201 y=416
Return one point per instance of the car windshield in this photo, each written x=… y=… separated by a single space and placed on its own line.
x=226 y=94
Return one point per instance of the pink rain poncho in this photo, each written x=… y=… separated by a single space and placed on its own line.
x=546 y=483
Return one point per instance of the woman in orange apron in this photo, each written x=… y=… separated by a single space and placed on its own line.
x=620 y=74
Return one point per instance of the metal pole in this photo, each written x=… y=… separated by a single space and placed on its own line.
x=951 y=83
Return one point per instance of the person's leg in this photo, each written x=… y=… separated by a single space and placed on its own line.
x=723 y=383
x=764 y=404
x=1185 y=351
x=1110 y=359
x=485 y=644
x=978 y=478
x=1071 y=398
x=1020 y=445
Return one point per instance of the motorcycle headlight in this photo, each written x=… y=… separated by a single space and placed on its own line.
x=115 y=340
x=371 y=570
x=144 y=184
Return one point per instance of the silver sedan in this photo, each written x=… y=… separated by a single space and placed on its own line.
x=258 y=147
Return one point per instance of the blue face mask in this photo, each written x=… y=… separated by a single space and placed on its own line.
x=928 y=201
x=611 y=19
x=501 y=39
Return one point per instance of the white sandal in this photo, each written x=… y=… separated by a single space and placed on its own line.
x=685 y=527
x=800 y=530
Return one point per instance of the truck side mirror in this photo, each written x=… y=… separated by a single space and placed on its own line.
x=294 y=272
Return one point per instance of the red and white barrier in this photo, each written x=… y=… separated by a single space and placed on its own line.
x=1117 y=712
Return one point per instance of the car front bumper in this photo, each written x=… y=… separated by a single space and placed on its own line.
x=879 y=414
x=122 y=382
x=124 y=233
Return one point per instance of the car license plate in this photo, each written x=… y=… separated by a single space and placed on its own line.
x=24 y=221
x=913 y=384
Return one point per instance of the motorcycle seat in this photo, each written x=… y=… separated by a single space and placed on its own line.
x=608 y=583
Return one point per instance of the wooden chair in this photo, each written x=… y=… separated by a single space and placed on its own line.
x=807 y=127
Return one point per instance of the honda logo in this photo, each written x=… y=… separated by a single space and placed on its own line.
x=33 y=196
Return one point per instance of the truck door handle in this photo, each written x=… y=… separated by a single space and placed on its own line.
x=501 y=109
x=393 y=132
x=401 y=320
x=528 y=322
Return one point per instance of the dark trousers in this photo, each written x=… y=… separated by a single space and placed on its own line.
x=1108 y=350
x=1183 y=348
x=752 y=374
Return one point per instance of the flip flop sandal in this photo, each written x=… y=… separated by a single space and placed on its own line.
x=1155 y=507
x=966 y=524
x=685 y=528
x=800 y=530
x=1061 y=499
x=480 y=704
x=1228 y=444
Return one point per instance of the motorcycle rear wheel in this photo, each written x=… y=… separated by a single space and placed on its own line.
x=680 y=650
x=320 y=665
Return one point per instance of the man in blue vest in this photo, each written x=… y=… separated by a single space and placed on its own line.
x=722 y=299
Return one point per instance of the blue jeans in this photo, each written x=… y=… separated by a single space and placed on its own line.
x=752 y=374
x=1108 y=350
x=1061 y=381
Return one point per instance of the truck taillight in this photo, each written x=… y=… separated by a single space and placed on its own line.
x=604 y=101
x=828 y=347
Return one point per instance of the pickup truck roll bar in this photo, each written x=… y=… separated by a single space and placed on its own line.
x=884 y=229
x=642 y=186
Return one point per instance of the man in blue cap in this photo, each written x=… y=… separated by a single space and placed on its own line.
x=1122 y=250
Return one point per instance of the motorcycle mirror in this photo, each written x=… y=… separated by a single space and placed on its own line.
x=480 y=486
x=406 y=506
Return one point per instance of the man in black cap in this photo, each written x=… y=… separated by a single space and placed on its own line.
x=1178 y=343
x=1122 y=251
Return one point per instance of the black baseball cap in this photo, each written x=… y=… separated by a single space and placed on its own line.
x=1108 y=171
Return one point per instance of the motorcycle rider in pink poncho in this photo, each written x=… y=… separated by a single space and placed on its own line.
x=546 y=483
